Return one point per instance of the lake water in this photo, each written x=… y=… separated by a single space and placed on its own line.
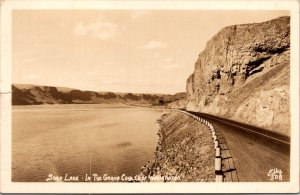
x=81 y=139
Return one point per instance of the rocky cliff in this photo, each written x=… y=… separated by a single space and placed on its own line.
x=243 y=74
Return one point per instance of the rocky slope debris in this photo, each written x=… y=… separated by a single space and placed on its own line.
x=185 y=151
x=243 y=74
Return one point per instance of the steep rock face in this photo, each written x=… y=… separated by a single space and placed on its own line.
x=243 y=74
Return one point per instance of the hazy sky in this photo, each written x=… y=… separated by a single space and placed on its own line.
x=120 y=51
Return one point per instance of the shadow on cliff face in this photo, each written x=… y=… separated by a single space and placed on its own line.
x=237 y=67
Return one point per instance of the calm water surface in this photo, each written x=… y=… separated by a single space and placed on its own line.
x=81 y=139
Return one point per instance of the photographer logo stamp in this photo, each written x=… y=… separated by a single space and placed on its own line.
x=275 y=174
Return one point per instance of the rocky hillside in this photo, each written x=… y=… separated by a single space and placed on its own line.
x=178 y=100
x=243 y=74
x=32 y=94
x=185 y=151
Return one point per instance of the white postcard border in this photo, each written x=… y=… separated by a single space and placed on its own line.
x=5 y=71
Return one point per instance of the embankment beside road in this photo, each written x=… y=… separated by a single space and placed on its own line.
x=185 y=150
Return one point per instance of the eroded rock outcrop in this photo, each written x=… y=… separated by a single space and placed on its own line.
x=243 y=74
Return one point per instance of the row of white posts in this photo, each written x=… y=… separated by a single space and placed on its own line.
x=218 y=159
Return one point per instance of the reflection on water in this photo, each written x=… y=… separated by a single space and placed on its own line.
x=63 y=141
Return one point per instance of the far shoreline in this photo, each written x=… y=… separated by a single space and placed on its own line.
x=91 y=106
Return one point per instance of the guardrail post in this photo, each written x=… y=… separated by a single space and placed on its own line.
x=218 y=164
x=218 y=169
x=216 y=143
x=215 y=138
x=219 y=178
x=218 y=151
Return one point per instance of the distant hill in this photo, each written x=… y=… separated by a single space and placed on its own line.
x=24 y=94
